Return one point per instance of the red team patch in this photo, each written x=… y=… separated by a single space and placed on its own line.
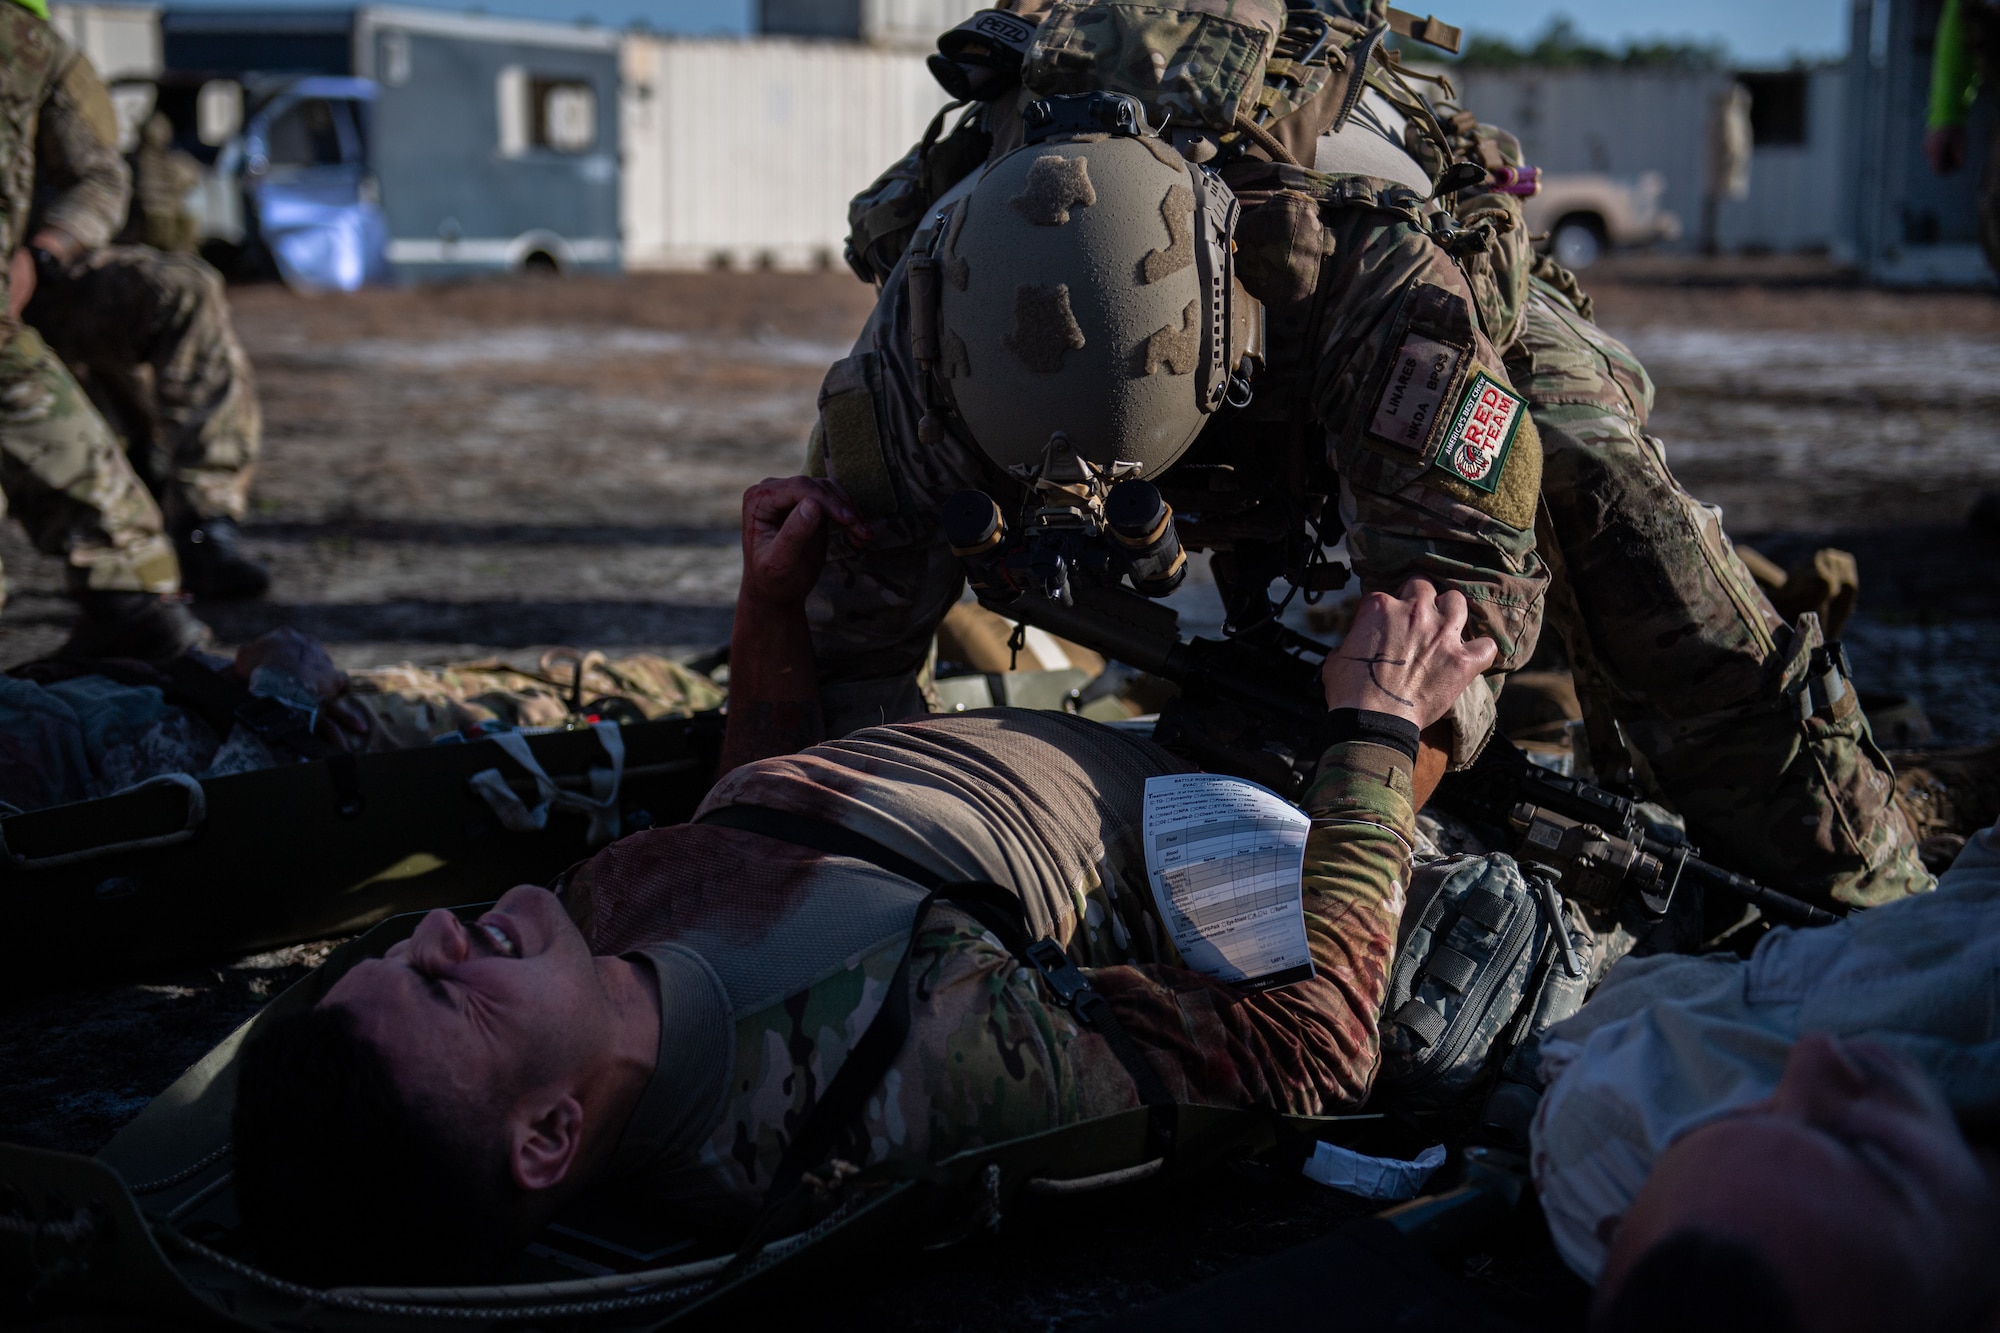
x=1489 y=417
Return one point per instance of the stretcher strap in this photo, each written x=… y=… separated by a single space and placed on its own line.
x=601 y=805
x=197 y=814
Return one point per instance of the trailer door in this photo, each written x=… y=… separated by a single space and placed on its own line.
x=311 y=189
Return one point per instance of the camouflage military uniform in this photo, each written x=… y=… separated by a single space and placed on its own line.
x=1355 y=276
x=196 y=428
x=1354 y=280
x=1676 y=647
x=162 y=178
x=409 y=706
x=61 y=469
x=1686 y=672
x=772 y=959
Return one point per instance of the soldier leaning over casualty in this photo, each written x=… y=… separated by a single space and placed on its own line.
x=1782 y=1140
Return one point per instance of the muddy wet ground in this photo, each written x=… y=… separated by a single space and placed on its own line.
x=501 y=467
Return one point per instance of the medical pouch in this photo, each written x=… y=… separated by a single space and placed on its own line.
x=1200 y=62
x=1479 y=975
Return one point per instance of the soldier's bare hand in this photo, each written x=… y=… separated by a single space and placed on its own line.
x=20 y=283
x=1406 y=655
x=784 y=536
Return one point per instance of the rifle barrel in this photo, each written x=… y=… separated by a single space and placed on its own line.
x=1772 y=903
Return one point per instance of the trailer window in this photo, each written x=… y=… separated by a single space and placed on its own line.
x=565 y=115
x=304 y=135
x=1779 y=108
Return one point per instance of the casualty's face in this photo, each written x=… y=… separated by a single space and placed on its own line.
x=1852 y=1180
x=480 y=1013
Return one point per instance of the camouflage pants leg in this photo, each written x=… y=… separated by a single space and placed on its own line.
x=64 y=476
x=124 y=307
x=1713 y=694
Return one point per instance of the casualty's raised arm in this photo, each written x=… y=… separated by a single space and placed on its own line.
x=774 y=705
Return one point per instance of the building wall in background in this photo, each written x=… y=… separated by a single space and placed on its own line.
x=1798 y=170
x=1625 y=123
x=747 y=152
x=908 y=24
x=121 y=40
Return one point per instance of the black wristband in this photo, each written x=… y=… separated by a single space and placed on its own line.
x=1358 y=724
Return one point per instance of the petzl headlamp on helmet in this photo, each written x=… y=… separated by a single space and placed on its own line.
x=980 y=59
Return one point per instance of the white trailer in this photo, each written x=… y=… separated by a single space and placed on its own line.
x=744 y=153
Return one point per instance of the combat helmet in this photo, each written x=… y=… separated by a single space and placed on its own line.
x=1084 y=292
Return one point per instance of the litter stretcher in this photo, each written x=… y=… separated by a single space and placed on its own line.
x=148 y=1227
x=180 y=868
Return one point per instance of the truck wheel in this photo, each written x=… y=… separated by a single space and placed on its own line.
x=1578 y=241
x=541 y=264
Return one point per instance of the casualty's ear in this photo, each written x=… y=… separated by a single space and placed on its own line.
x=543 y=1142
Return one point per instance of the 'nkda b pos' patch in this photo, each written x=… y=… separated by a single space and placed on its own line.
x=1482 y=431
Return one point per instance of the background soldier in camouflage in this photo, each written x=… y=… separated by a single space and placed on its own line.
x=151 y=334
x=162 y=178
x=61 y=469
x=1690 y=668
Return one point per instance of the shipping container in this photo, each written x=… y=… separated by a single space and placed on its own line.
x=746 y=153
x=1629 y=125
x=378 y=140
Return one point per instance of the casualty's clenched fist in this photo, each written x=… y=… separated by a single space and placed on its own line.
x=784 y=536
x=1406 y=655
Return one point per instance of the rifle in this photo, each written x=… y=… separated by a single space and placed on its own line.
x=1252 y=706
x=1599 y=843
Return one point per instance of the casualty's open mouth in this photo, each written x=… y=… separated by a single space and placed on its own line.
x=503 y=943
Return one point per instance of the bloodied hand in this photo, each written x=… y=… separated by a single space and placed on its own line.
x=784 y=536
x=1406 y=655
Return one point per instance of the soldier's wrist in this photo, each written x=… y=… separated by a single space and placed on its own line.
x=1360 y=724
x=53 y=246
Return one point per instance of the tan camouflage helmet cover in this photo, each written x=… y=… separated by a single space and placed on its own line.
x=1086 y=286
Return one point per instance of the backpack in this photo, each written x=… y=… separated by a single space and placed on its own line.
x=1480 y=974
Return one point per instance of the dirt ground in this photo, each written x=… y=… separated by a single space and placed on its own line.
x=498 y=467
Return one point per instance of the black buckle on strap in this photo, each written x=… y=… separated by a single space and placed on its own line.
x=1070 y=987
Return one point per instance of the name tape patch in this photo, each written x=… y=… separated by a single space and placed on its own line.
x=1482 y=432
x=1414 y=396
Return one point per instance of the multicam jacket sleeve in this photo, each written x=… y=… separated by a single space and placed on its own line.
x=1375 y=331
x=82 y=183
